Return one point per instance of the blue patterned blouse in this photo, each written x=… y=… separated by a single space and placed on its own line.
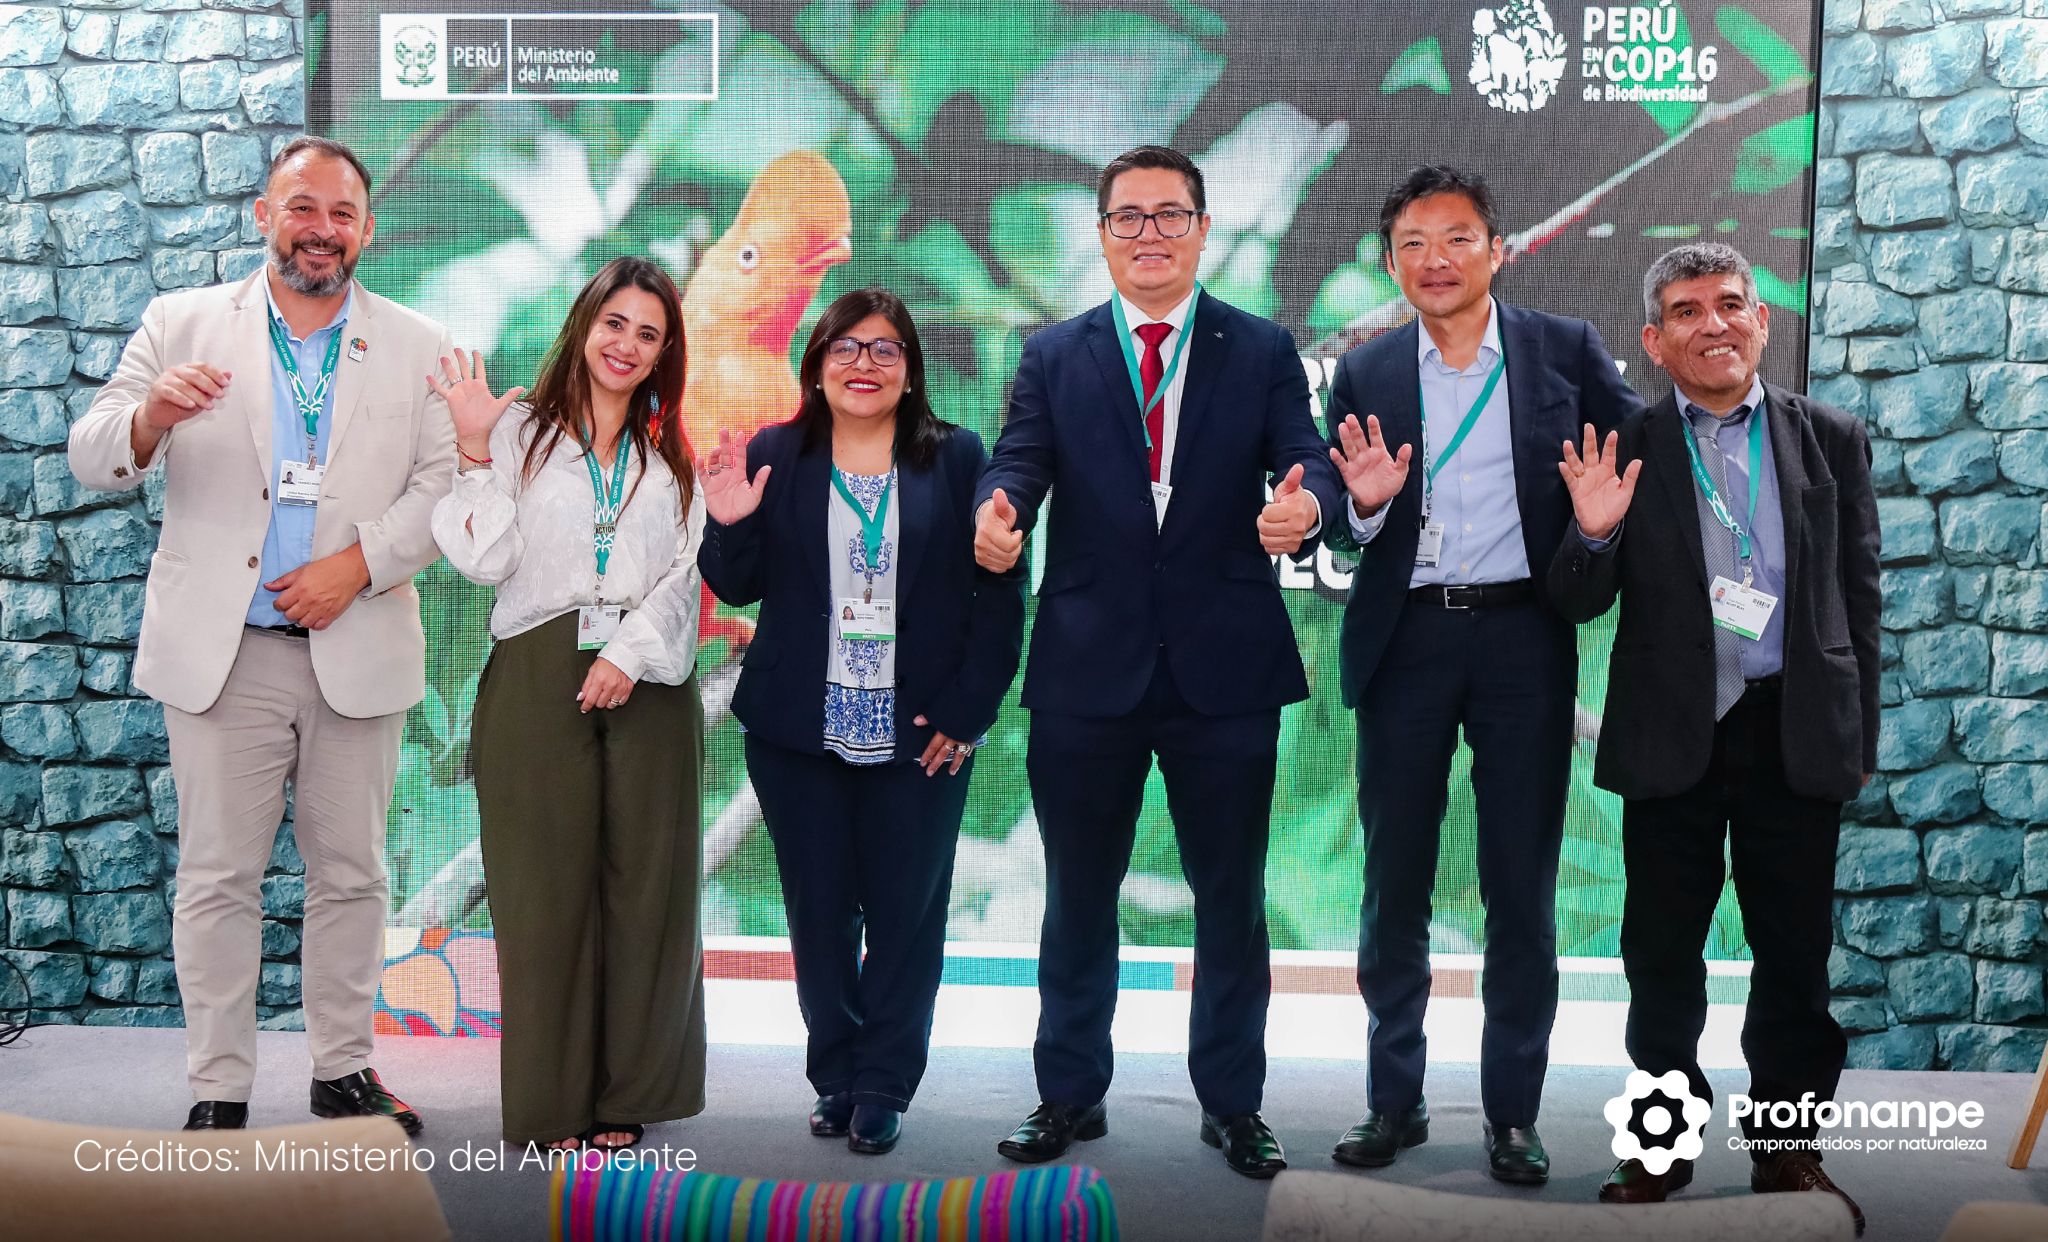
x=860 y=674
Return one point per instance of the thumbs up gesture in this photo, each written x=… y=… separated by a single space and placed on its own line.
x=1285 y=520
x=997 y=541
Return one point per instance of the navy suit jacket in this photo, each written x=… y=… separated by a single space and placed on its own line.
x=1658 y=732
x=959 y=628
x=1121 y=591
x=1560 y=377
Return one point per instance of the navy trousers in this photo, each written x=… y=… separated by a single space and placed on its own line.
x=863 y=850
x=1087 y=786
x=1506 y=675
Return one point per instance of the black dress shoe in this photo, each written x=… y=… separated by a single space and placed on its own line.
x=1248 y=1143
x=873 y=1129
x=1374 y=1142
x=1632 y=1182
x=1514 y=1154
x=362 y=1094
x=218 y=1115
x=831 y=1113
x=1051 y=1129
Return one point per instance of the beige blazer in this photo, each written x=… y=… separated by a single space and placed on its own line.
x=390 y=457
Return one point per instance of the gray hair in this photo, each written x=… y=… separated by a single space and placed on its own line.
x=1687 y=262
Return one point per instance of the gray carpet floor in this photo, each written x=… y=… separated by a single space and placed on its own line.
x=1166 y=1183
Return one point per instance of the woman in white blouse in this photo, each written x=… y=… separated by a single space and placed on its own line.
x=579 y=506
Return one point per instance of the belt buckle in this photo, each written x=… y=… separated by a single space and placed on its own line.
x=1447 y=599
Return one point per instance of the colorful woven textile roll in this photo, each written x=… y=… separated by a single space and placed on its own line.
x=617 y=1203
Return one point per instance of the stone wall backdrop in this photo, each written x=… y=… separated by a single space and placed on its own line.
x=132 y=135
x=1930 y=294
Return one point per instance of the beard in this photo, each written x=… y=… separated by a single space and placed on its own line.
x=298 y=280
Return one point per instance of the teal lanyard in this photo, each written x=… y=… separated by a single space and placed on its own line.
x=1722 y=514
x=870 y=527
x=1464 y=429
x=605 y=505
x=1180 y=342
x=309 y=403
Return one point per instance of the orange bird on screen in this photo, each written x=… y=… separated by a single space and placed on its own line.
x=743 y=305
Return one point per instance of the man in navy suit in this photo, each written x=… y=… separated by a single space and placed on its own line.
x=1160 y=631
x=1444 y=630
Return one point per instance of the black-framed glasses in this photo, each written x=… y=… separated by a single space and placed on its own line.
x=1129 y=222
x=846 y=350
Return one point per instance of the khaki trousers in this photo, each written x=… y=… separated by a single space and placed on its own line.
x=231 y=762
x=591 y=837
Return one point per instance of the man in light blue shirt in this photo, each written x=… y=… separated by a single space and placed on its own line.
x=1444 y=633
x=288 y=543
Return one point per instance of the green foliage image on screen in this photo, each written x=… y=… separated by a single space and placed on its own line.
x=956 y=143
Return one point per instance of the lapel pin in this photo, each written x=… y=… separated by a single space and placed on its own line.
x=357 y=347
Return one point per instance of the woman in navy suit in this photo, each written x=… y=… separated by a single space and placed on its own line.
x=882 y=653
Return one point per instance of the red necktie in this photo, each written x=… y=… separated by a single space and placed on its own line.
x=1150 y=368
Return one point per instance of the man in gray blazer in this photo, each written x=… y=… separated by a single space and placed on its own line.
x=1742 y=701
x=302 y=453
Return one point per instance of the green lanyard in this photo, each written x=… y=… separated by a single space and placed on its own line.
x=605 y=505
x=1123 y=336
x=309 y=403
x=870 y=527
x=1464 y=429
x=1713 y=494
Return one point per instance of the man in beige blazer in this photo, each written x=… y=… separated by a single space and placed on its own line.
x=302 y=453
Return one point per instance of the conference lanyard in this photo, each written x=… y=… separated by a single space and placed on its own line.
x=1464 y=429
x=309 y=403
x=1180 y=342
x=1722 y=514
x=870 y=527
x=605 y=504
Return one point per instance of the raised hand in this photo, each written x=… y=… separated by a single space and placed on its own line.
x=729 y=495
x=1599 y=498
x=1372 y=475
x=470 y=404
x=1285 y=520
x=997 y=541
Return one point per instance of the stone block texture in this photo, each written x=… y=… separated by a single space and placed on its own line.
x=113 y=188
x=1930 y=320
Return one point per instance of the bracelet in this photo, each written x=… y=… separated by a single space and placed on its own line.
x=478 y=461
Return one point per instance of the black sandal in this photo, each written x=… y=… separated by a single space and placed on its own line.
x=633 y=1128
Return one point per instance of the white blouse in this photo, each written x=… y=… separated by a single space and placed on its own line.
x=531 y=539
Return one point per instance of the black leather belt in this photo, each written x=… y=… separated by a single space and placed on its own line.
x=289 y=631
x=1476 y=595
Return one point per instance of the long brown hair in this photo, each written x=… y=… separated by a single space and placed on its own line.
x=919 y=431
x=560 y=398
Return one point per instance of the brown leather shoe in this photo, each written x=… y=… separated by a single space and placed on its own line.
x=1632 y=1183
x=1798 y=1170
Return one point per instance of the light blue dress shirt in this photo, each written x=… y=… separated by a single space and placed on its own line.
x=1474 y=494
x=288 y=542
x=1766 y=656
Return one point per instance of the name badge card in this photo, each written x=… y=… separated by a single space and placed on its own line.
x=1742 y=609
x=1161 y=493
x=595 y=625
x=298 y=483
x=874 y=621
x=1429 y=545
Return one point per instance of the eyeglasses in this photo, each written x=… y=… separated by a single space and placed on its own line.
x=846 y=350
x=1173 y=222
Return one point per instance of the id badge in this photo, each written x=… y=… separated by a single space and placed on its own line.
x=1161 y=493
x=1742 y=609
x=595 y=625
x=1429 y=545
x=874 y=621
x=298 y=483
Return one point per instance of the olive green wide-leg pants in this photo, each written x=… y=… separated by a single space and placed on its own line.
x=591 y=851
